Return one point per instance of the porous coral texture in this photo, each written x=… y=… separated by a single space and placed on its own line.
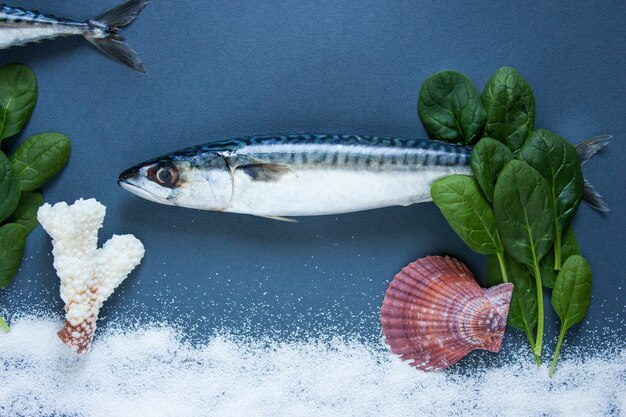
x=88 y=275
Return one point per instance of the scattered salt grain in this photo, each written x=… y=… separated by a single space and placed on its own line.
x=151 y=370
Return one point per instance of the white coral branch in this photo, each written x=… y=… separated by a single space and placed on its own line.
x=88 y=275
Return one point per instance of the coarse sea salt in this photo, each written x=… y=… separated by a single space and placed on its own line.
x=151 y=370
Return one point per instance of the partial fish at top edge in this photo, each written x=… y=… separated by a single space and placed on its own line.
x=19 y=26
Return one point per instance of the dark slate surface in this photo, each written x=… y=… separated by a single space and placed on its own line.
x=220 y=69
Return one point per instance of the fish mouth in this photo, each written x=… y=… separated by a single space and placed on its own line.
x=142 y=192
x=127 y=185
x=129 y=174
x=127 y=180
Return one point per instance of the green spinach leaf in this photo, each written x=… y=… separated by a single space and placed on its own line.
x=450 y=108
x=26 y=211
x=523 y=212
x=525 y=220
x=39 y=158
x=18 y=95
x=468 y=213
x=488 y=158
x=12 y=242
x=9 y=188
x=510 y=108
x=571 y=297
x=558 y=162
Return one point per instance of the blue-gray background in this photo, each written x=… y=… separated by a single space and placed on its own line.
x=220 y=69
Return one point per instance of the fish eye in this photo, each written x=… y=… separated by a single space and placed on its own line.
x=166 y=176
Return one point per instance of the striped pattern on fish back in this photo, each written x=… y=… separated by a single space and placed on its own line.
x=10 y=14
x=340 y=151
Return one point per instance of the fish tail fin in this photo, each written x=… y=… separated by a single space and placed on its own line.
x=109 y=24
x=589 y=147
x=593 y=198
x=122 y=15
x=586 y=150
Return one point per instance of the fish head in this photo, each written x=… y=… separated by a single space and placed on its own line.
x=204 y=182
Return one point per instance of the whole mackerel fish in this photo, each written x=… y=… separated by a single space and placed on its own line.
x=305 y=174
x=19 y=27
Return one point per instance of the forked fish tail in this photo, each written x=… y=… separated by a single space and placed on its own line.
x=104 y=33
x=586 y=150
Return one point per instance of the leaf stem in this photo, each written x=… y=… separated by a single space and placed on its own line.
x=556 y=352
x=557 y=250
x=531 y=340
x=500 y=256
x=4 y=326
x=539 y=342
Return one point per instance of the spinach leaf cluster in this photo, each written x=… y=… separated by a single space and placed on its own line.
x=517 y=208
x=34 y=162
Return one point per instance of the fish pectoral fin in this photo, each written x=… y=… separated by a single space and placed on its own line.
x=264 y=172
x=281 y=219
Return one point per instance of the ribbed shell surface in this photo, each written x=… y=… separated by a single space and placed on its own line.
x=434 y=313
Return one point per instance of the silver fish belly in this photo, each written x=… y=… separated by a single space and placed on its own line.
x=298 y=175
x=365 y=173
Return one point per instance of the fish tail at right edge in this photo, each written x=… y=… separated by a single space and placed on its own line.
x=586 y=150
x=105 y=29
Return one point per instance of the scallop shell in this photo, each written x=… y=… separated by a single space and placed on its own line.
x=435 y=313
